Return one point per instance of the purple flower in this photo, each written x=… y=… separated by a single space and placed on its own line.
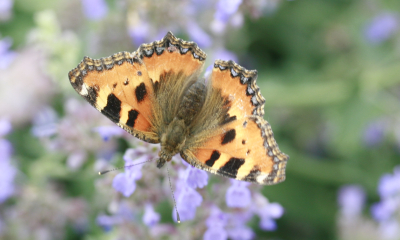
x=5 y=9
x=237 y=229
x=241 y=233
x=150 y=217
x=267 y=215
x=386 y=211
x=215 y=233
x=238 y=195
x=5 y=127
x=139 y=32
x=6 y=55
x=195 y=178
x=351 y=200
x=198 y=35
x=187 y=201
x=389 y=184
x=382 y=211
x=374 y=133
x=382 y=27
x=8 y=171
x=106 y=132
x=267 y=212
x=95 y=9
x=45 y=123
x=125 y=183
x=225 y=55
x=225 y=8
x=215 y=225
x=124 y=213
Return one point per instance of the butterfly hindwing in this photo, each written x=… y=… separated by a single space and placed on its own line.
x=234 y=140
x=120 y=88
x=244 y=149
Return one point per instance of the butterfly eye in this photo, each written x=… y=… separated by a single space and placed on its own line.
x=139 y=73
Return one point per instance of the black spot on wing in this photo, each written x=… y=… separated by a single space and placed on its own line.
x=214 y=157
x=228 y=136
x=113 y=108
x=228 y=119
x=140 y=92
x=252 y=176
x=232 y=166
x=132 y=116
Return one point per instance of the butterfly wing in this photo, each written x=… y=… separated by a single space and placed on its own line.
x=120 y=88
x=171 y=54
x=173 y=65
x=235 y=141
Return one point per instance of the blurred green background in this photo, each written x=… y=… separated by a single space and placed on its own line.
x=332 y=95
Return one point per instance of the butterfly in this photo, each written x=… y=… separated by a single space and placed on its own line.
x=157 y=94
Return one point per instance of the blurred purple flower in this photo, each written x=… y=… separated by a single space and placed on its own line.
x=215 y=233
x=237 y=229
x=386 y=211
x=268 y=214
x=8 y=171
x=106 y=132
x=198 y=35
x=215 y=225
x=241 y=233
x=195 y=178
x=125 y=183
x=238 y=195
x=187 y=202
x=351 y=199
x=5 y=127
x=225 y=55
x=374 y=133
x=389 y=184
x=150 y=217
x=123 y=214
x=76 y=159
x=95 y=9
x=382 y=211
x=225 y=8
x=139 y=32
x=389 y=191
x=5 y=9
x=45 y=123
x=6 y=55
x=382 y=27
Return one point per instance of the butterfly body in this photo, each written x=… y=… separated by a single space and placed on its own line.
x=156 y=94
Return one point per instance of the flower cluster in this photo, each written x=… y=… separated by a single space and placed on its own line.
x=387 y=211
x=8 y=170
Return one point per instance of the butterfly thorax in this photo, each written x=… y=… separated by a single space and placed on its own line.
x=174 y=138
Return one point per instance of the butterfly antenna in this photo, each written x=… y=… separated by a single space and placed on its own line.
x=178 y=219
x=104 y=172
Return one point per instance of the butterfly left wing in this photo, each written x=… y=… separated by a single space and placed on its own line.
x=120 y=88
x=236 y=141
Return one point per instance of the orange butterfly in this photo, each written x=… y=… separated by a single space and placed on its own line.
x=158 y=95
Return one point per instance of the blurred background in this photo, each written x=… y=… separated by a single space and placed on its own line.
x=330 y=74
